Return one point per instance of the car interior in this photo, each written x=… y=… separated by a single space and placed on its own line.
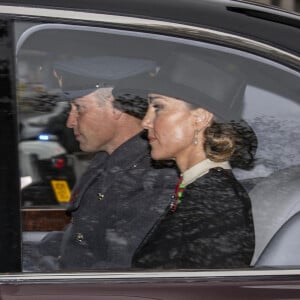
x=271 y=109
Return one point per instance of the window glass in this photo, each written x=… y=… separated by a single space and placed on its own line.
x=56 y=63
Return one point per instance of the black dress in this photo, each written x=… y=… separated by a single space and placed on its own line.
x=211 y=228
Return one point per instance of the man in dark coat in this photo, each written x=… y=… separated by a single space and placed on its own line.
x=120 y=196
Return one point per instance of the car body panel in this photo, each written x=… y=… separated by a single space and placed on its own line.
x=153 y=285
x=270 y=33
x=225 y=15
x=9 y=184
x=282 y=38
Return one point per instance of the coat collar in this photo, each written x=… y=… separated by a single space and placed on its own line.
x=129 y=153
x=125 y=157
x=201 y=169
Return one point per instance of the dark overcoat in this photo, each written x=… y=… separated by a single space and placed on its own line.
x=211 y=228
x=116 y=202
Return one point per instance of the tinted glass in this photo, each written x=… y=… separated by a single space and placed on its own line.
x=57 y=63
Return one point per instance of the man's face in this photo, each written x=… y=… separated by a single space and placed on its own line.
x=93 y=123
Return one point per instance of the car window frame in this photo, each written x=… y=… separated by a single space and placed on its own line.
x=166 y=28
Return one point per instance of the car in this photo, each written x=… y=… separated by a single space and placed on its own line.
x=43 y=44
x=44 y=143
x=47 y=173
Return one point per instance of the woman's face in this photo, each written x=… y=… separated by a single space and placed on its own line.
x=170 y=125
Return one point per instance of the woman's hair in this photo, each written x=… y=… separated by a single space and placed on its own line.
x=219 y=144
x=233 y=141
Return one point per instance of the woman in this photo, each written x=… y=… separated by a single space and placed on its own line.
x=209 y=224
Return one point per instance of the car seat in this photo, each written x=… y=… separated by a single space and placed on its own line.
x=283 y=249
x=276 y=212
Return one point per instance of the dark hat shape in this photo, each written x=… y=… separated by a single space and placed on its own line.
x=196 y=80
x=80 y=76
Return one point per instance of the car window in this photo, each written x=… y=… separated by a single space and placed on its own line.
x=53 y=61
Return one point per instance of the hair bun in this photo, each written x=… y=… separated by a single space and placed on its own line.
x=246 y=146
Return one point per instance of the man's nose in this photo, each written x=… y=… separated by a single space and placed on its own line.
x=72 y=119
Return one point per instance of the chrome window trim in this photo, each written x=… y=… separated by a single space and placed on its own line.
x=144 y=276
x=162 y=27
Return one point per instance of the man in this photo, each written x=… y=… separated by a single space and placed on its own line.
x=121 y=195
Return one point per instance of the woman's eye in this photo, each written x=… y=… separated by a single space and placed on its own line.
x=157 y=107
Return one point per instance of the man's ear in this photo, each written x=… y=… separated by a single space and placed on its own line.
x=203 y=117
x=116 y=113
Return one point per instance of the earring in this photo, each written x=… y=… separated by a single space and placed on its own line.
x=195 y=140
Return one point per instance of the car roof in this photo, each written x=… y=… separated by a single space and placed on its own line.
x=273 y=26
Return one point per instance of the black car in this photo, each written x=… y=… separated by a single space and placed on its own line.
x=42 y=44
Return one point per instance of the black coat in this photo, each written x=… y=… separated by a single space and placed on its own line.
x=116 y=202
x=211 y=228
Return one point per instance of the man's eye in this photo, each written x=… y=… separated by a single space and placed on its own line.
x=78 y=108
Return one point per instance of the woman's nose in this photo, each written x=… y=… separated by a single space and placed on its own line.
x=146 y=122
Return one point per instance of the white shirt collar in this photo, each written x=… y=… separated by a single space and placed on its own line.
x=201 y=169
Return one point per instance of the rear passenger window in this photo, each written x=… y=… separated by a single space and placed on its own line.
x=51 y=161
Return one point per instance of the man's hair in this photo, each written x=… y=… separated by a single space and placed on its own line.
x=128 y=103
x=103 y=94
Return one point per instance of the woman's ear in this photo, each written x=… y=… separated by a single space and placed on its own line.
x=203 y=118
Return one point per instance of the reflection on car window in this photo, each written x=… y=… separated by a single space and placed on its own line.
x=57 y=63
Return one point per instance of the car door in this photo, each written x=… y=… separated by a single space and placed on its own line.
x=9 y=158
x=40 y=160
